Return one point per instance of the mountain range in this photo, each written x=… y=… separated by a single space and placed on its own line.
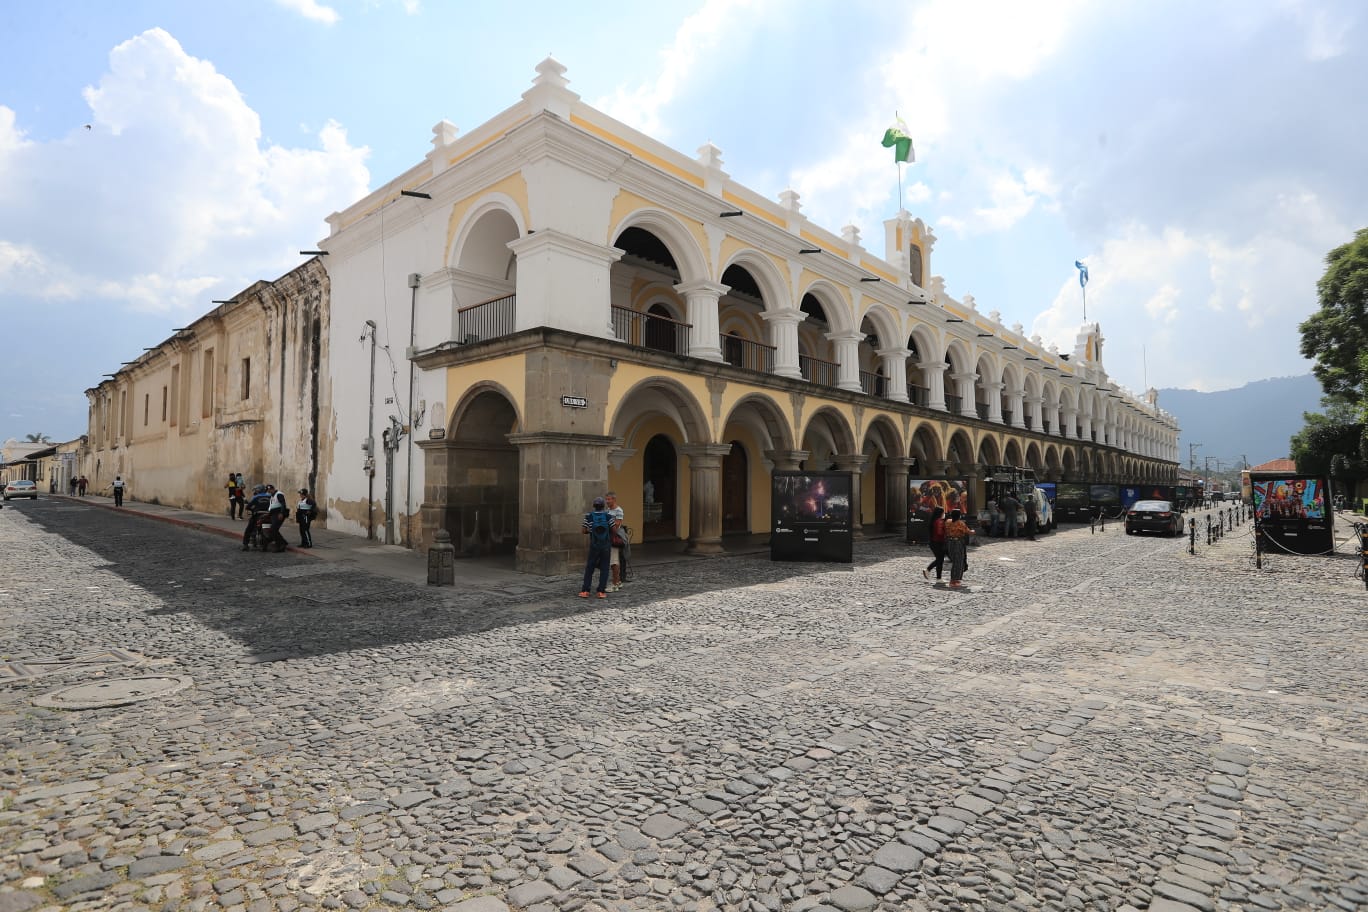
x=1253 y=422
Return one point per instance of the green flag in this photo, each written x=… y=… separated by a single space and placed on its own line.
x=897 y=138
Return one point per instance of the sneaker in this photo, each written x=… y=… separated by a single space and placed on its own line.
x=926 y=575
x=584 y=594
x=603 y=595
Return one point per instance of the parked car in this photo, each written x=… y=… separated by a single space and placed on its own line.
x=1154 y=516
x=21 y=488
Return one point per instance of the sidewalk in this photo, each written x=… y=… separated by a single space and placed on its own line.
x=396 y=561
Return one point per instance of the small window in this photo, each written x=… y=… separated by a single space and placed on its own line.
x=207 y=406
x=163 y=405
x=147 y=405
x=246 y=378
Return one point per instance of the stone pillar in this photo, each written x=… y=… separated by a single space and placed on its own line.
x=964 y=388
x=934 y=372
x=702 y=298
x=705 y=496
x=1016 y=399
x=786 y=460
x=994 y=393
x=1037 y=405
x=549 y=262
x=1085 y=424
x=855 y=465
x=894 y=362
x=784 y=337
x=1068 y=421
x=560 y=474
x=896 y=469
x=847 y=359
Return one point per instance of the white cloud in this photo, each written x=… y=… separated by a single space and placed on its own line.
x=1011 y=199
x=311 y=9
x=699 y=35
x=174 y=189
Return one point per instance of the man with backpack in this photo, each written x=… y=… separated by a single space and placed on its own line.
x=599 y=525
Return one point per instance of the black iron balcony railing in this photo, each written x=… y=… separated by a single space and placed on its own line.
x=649 y=330
x=919 y=395
x=742 y=352
x=1046 y=426
x=953 y=404
x=982 y=410
x=873 y=384
x=1006 y=416
x=486 y=320
x=815 y=370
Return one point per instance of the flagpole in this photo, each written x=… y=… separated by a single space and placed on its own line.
x=1085 y=303
x=899 y=167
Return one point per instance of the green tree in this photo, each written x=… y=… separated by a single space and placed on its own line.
x=1336 y=336
x=1326 y=446
x=37 y=438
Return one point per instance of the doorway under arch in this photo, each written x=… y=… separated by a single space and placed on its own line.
x=735 y=490
x=660 y=485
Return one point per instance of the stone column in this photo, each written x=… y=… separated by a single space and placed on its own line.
x=896 y=469
x=1068 y=421
x=786 y=460
x=705 y=496
x=784 y=337
x=935 y=383
x=848 y=359
x=964 y=388
x=855 y=465
x=994 y=392
x=702 y=298
x=559 y=475
x=894 y=362
x=1017 y=400
x=1037 y=405
x=550 y=262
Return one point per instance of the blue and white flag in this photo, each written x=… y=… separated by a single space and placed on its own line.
x=1082 y=273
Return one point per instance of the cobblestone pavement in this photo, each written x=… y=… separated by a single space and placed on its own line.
x=1101 y=722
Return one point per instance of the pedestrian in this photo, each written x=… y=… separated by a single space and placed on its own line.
x=72 y=485
x=599 y=526
x=957 y=548
x=233 y=496
x=277 y=513
x=1032 y=515
x=257 y=509
x=118 y=490
x=994 y=518
x=82 y=485
x=937 y=542
x=615 y=560
x=1009 y=505
x=305 y=511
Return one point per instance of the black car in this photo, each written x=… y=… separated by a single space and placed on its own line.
x=1154 y=516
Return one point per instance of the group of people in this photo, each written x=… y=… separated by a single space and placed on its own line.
x=949 y=538
x=77 y=485
x=1002 y=517
x=609 y=546
x=265 y=511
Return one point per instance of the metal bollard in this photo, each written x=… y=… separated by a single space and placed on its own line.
x=442 y=560
x=1208 y=522
x=1192 y=535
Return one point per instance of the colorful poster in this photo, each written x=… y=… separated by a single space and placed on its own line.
x=1289 y=498
x=923 y=496
x=811 y=499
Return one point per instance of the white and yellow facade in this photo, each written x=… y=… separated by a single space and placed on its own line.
x=564 y=306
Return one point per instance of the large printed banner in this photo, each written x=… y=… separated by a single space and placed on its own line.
x=924 y=495
x=1290 y=513
x=810 y=516
x=1073 y=502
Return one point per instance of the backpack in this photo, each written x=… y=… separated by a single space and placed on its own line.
x=600 y=530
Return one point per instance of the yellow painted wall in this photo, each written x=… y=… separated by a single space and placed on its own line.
x=626 y=202
x=513 y=186
x=758 y=484
x=509 y=372
x=627 y=481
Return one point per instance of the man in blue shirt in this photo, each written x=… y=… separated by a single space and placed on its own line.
x=599 y=525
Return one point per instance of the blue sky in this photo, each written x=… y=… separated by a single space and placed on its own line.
x=1201 y=158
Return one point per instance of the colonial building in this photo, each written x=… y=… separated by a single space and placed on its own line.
x=554 y=304
x=238 y=390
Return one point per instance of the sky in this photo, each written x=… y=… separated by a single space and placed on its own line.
x=1200 y=158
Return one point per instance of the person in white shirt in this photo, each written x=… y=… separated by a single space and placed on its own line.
x=118 y=490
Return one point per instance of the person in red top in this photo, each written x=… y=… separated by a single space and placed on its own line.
x=956 y=546
x=937 y=543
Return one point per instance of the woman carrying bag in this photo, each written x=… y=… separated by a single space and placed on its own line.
x=957 y=548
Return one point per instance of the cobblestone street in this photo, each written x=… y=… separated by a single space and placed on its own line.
x=1101 y=722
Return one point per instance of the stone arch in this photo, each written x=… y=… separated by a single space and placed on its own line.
x=1068 y=464
x=1034 y=460
x=884 y=435
x=882 y=442
x=661 y=396
x=773 y=288
x=1011 y=453
x=476 y=475
x=925 y=445
x=690 y=261
x=482 y=238
x=960 y=449
x=988 y=451
x=834 y=305
x=762 y=415
x=826 y=435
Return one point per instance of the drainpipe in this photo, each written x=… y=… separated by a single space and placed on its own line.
x=370 y=441
x=413 y=280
